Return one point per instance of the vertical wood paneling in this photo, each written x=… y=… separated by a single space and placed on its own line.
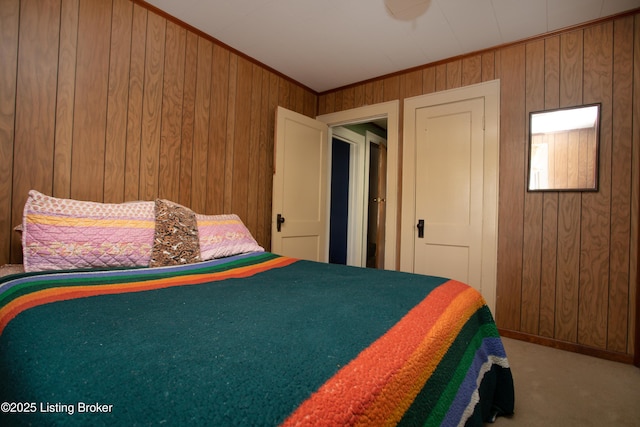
x=188 y=117
x=348 y=98
x=294 y=100
x=548 y=265
x=117 y=100
x=171 y=122
x=560 y=142
x=573 y=152
x=441 y=77
x=309 y=104
x=454 y=74
x=358 y=96
x=369 y=93
x=552 y=72
x=9 y=26
x=429 y=80
x=391 y=88
x=550 y=201
x=322 y=104
x=218 y=131
x=35 y=96
x=378 y=91
x=35 y=102
x=411 y=84
x=571 y=68
x=201 y=125
x=272 y=103
x=532 y=250
x=325 y=104
x=242 y=142
x=337 y=103
x=634 y=293
x=621 y=175
x=488 y=66
x=230 y=134
x=134 y=110
x=471 y=70
x=568 y=261
x=152 y=107
x=511 y=191
x=65 y=97
x=569 y=214
x=284 y=95
x=253 y=173
x=90 y=108
x=265 y=155
x=301 y=99
x=596 y=214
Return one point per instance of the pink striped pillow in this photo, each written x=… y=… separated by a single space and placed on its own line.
x=64 y=234
x=223 y=236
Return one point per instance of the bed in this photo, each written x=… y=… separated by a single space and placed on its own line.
x=252 y=338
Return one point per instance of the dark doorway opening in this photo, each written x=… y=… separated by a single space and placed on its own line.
x=338 y=224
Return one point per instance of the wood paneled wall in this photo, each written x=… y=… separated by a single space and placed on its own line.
x=107 y=100
x=567 y=262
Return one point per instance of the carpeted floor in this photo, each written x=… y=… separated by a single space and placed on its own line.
x=560 y=388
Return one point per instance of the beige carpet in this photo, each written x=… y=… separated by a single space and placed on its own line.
x=560 y=388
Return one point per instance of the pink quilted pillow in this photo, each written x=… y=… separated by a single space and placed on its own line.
x=223 y=236
x=64 y=234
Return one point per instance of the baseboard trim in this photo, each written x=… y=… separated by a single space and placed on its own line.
x=563 y=345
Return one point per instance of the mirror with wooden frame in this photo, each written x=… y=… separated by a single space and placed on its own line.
x=563 y=149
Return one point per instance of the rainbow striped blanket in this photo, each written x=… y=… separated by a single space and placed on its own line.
x=255 y=339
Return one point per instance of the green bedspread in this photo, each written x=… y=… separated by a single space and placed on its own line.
x=256 y=339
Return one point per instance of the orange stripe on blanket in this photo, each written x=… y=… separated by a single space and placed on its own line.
x=395 y=367
x=404 y=386
x=48 y=295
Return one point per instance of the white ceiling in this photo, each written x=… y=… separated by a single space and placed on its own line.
x=326 y=44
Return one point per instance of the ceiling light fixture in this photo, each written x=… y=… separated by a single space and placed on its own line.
x=406 y=10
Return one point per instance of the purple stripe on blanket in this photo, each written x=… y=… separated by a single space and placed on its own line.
x=490 y=353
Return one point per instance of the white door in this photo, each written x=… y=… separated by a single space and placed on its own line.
x=448 y=211
x=300 y=183
x=450 y=183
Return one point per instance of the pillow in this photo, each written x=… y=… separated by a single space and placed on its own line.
x=223 y=236
x=64 y=234
x=176 y=236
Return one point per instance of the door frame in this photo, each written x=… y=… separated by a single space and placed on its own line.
x=490 y=91
x=357 y=192
x=390 y=110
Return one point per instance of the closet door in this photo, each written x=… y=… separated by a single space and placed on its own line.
x=448 y=183
x=450 y=186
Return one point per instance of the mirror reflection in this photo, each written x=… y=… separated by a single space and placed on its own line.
x=563 y=149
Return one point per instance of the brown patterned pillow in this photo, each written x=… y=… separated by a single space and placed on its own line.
x=176 y=235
